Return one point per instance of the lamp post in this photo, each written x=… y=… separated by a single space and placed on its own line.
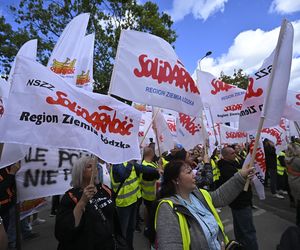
x=208 y=53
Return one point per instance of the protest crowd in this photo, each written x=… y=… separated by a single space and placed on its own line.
x=164 y=167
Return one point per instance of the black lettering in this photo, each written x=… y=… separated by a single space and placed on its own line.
x=66 y=119
x=31 y=179
x=50 y=175
x=24 y=115
x=37 y=83
x=30 y=82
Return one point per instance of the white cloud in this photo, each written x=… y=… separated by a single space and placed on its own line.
x=285 y=6
x=248 y=51
x=201 y=9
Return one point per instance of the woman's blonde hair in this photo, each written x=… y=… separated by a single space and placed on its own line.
x=77 y=171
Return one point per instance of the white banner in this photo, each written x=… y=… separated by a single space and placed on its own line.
x=189 y=131
x=171 y=122
x=224 y=100
x=230 y=135
x=84 y=69
x=28 y=49
x=46 y=172
x=258 y=84
x=164 y=136
x=146 y=124
x=45 y=111
x=147 y=70
x=260 y=168
x=292 y=107
x=66 y=53
x=11 y=152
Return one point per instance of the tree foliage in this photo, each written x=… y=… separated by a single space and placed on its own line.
x=45 y=20
x=239 y=79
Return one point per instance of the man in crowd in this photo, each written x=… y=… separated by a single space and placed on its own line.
x=241 y=207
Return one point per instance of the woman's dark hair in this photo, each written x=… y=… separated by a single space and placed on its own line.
x=171 y=173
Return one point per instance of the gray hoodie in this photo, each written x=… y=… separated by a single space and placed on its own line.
x=167 y=228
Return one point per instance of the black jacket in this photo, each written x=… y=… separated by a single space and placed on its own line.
x=271 y=157
x=227 y=170
x=95 y=230
x=7 y=190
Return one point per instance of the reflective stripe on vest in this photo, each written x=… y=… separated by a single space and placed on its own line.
x=164 y=162
x=148 y=187
x=280 y=169
x=129 y=192
x=184 y=229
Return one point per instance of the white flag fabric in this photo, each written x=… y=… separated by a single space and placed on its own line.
x=45 y=111
x=189 y=131
x=146 y=124
x=230 y=135
x=46 y=172
x=28 y=49
x=84 y=69
x=224 y=100
x=292 y=107
x=260 y=170
x=277 y=134
x=147 y=70
x=66 y=53
x=254 y=105
x=164 y=136
x=11 y=152
x=171 y=122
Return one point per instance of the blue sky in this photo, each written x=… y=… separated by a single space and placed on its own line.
x=240 y=33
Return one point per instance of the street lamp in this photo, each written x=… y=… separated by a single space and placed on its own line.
x=208 y=53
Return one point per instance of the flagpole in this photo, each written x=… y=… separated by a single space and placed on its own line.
x=268 y=91
x=297 y=127
x=203 y=133
x=1 y=149
x=153 y=118
x=94 y=167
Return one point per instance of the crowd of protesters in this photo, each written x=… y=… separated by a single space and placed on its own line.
x=182 y=193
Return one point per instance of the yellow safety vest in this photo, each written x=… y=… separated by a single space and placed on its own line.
x=215 y=169
x=148 y=187
x=184 y=228
x=129 y=192
x=280 y=169
x=164 y=162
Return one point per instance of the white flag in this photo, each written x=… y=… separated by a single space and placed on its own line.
x=189 y=131
x=292 y=107
x=45 y=111
x=257 y=102
x=164 y=136
x=84 y=69
x=224 y=100
x=66 y=53
x=147 y=70
x=28 y=49
x=146 y=124
x=230 y=135
x=260 y=170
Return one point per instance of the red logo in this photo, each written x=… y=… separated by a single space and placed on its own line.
x=171 y=125
x=259 y=157
x=64 y=68
x=275 y=133
x=251 y=92
x=99 y=120
x=188 y=123
x=233 y=107
x=163 y=72
x=235 y=135
x=220 y=86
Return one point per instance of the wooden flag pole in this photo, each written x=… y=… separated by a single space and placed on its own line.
x=268 y=91
x=1 y=149
x=257 y=137
x=153 y=118
x=95 y=161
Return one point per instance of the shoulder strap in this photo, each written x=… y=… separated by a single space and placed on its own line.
x=183 y=226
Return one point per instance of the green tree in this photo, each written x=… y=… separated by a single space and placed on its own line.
x=239 y=79
x=45 y=21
